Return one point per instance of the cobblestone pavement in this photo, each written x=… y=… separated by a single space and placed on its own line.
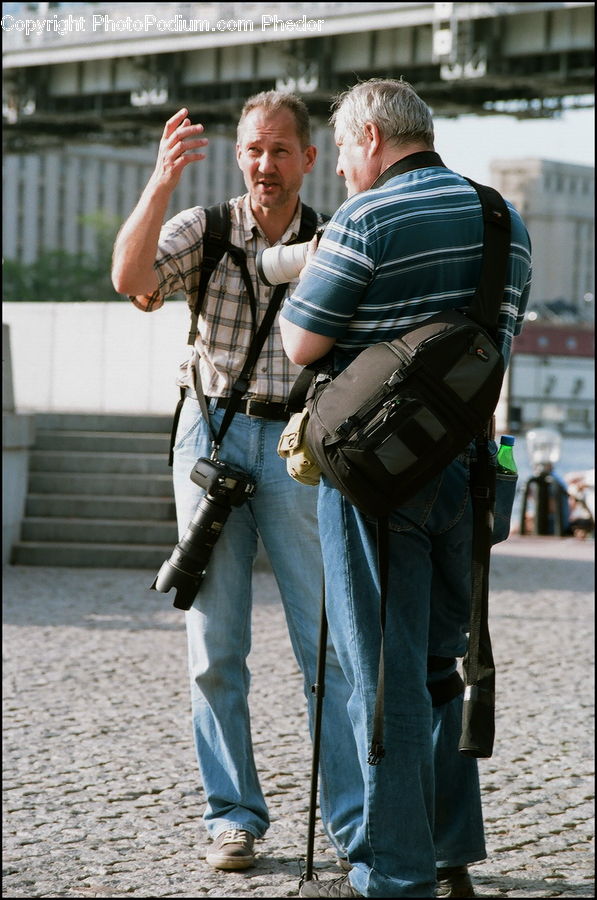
x=101 y=795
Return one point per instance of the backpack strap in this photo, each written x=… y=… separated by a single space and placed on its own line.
x=216 y=240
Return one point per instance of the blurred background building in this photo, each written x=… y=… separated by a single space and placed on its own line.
x=557 y=203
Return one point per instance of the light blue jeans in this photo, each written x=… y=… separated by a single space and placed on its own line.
x=284 y=513
x=409 y=822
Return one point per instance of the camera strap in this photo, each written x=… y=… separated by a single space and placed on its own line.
x=306 y=231
x=241 y=384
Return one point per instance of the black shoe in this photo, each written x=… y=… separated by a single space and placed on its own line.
x=339 y=887
x=454 y=881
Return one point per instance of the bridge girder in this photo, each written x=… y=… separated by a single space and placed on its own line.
x=484 y=68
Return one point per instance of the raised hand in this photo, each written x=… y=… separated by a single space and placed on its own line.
x=177 y=144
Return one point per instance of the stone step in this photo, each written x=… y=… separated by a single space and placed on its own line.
x=117 y=463
x=101 y=442
x=99 y=531
x=100 y=484
x=100 y=493
x=104 y=422
x=90 y=507
x=98 y=556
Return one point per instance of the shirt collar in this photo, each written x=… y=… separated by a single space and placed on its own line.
x=252 y=227
x=420 y=160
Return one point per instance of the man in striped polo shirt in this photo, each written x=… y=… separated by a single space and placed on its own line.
x=405 y=245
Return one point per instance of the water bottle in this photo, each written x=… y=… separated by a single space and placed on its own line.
x=505 y=458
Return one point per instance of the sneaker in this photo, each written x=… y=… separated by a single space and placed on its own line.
x=339 y=887
x=232 y=849
x=454 y=882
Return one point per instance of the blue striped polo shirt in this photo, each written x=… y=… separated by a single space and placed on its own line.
x=396 y=254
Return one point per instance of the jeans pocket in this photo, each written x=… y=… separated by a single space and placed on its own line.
x=188 y=423
x=505 y=492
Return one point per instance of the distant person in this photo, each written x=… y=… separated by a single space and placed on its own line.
x=581 y=496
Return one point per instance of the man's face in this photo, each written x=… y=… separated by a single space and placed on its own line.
x=353 y=162
x=271 y=158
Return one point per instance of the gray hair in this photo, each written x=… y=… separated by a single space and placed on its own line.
x=273 y=102
x=391 y=104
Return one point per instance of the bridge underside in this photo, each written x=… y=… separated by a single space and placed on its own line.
x=543 y=88
x=531 y=64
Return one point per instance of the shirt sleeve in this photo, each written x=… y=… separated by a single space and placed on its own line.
x=332 y=286
x=180 y=252
x=178 y=258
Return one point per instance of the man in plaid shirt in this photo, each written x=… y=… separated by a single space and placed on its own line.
x=151 y=262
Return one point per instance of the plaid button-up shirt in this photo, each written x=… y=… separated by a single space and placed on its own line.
x=225 y=326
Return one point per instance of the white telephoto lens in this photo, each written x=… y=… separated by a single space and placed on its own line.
x=276 y=265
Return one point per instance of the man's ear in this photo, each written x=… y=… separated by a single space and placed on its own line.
x=310 y=157
x=372 y=137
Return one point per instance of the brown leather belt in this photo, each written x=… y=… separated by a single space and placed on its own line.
x=260 y=409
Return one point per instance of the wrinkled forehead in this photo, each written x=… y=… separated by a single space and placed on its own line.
x=261 y=124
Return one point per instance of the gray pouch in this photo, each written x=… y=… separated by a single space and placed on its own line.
x=505 y=492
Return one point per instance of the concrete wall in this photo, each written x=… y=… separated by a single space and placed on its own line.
x=96 y=357
x=103 y=357
x=17 y=438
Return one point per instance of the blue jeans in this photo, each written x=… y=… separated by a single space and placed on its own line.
x=284 y=514
x=395 y=848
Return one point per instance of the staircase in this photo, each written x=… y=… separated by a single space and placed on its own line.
x=100 y=493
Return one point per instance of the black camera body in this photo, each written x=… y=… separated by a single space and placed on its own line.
x=222 y=482
x=225 y=488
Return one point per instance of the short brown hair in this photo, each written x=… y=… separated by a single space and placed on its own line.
x=274 y=101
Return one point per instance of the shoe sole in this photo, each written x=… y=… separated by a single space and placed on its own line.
x=230 y=864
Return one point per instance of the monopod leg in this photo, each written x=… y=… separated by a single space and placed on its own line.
x=318 y=690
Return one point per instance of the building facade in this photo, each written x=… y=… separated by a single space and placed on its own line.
x=551 y=379
x=557 y=203
x=49 y=197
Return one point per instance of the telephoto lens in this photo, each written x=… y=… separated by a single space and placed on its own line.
x=225 y=487
x=277 y=265
x=282 y=263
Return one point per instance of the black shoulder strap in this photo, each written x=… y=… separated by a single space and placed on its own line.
x=308 y=224
x=478 y=712
x=215 y=244
x=216 y=238
x=485 y=306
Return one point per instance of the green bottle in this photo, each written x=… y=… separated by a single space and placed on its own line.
x=505 y=457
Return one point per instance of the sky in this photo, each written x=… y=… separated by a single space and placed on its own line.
x=469 y=143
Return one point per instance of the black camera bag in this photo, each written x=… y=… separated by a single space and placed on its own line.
x=404 y=409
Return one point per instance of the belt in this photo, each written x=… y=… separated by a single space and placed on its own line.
x=260 y=409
